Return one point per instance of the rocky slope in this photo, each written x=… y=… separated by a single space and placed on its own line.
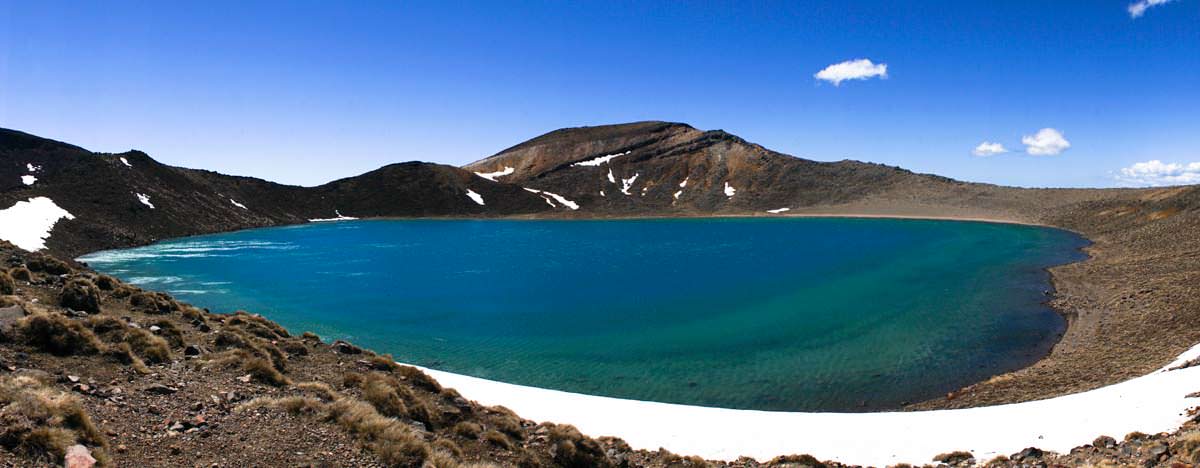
x=129 y=198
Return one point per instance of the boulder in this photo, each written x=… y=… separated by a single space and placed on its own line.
x=78 y=456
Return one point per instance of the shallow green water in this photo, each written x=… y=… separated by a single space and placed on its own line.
x=775 y=314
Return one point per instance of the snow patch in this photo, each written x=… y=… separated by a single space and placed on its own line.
x=125 y=162
x=339 y=217
x=475 y=197
x=1152 y=403
x=611 y=179
x=778 y=210
x=684 y=183
x=602 y=193
x=600 y=160
x=32 y=168
x=729 y=190
x=561 y=199
x=627 y=183
x=239 y=205
x=678 y=193
x=28 y=179
x=493 y=175
x=145 y=199
x=27 y=224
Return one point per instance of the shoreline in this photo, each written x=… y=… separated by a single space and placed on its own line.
x=1152 y=403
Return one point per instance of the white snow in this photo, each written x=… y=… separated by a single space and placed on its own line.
x=778 y=210
x=32 y=168
x=600 y=160
x=562 y=200
x=684 y=183
x=493 y=175
x=28 y=179
x=627 y=183
x=678 y=193
x=475 y=197
x=339 y=217
x=27 y=224
x=239 y=205
x=602 y=193
x=145 y=199
x=126 y=162
x=729 y=190
x=1150 y=404
x=611 y=179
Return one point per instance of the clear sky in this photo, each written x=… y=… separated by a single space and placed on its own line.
x=306 y=92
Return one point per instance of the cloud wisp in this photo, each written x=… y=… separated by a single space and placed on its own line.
x=860 y=69
x=988 y=148
x=1138 y=8
x=1159 y=174
x=1046 y=142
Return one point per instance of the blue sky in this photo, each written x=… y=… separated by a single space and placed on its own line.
x=306 y=92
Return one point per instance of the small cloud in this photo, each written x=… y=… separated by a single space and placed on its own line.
x=1138 y=8
x=1046 y=142
x=860 y=69
x=1158 y=174
x=988 y=148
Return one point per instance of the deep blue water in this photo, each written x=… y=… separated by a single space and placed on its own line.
x=775 y=314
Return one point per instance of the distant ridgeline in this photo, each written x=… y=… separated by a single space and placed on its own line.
x=70 y=200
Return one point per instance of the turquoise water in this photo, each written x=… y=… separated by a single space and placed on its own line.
x=772 y=314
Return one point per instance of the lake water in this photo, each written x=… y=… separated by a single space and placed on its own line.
x=759 y=313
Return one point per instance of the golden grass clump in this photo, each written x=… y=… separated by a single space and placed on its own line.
x=384 y=398
x=107 y=283
x=58 y=335
x=258 y=326
x=20 y=273
x=149 y=346
x=81 y=294
x=468 y=429
x=48 y=265
x=395 y=443
x=263 y=371
x=170 y=332
x=498 y=439
x=383 y=362
x=418 y=378
x=572 y=449
x=38 y=421
x=153 y=302
x=321 y=389
x=7 y=284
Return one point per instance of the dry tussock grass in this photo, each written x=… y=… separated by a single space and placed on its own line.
x=40 y=422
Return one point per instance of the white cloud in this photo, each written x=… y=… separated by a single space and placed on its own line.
x=1046 y=142
x=1157 y=174
x=860 y=69
x=988 y=148
x=1138 y=8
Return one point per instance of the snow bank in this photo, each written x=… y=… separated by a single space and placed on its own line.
x=778 y=210
x=627 y=183
x=493 y=175
x=27 y=224
x=600 y=160
x=338 y=218
x=28 y=179
x=561 y=199
x=239 y=205
x=475 y=197
x=1153 y=403
x=145 y=199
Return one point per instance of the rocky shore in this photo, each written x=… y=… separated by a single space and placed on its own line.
x=94 y=371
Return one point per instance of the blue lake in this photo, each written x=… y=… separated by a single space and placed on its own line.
x=760 y=313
